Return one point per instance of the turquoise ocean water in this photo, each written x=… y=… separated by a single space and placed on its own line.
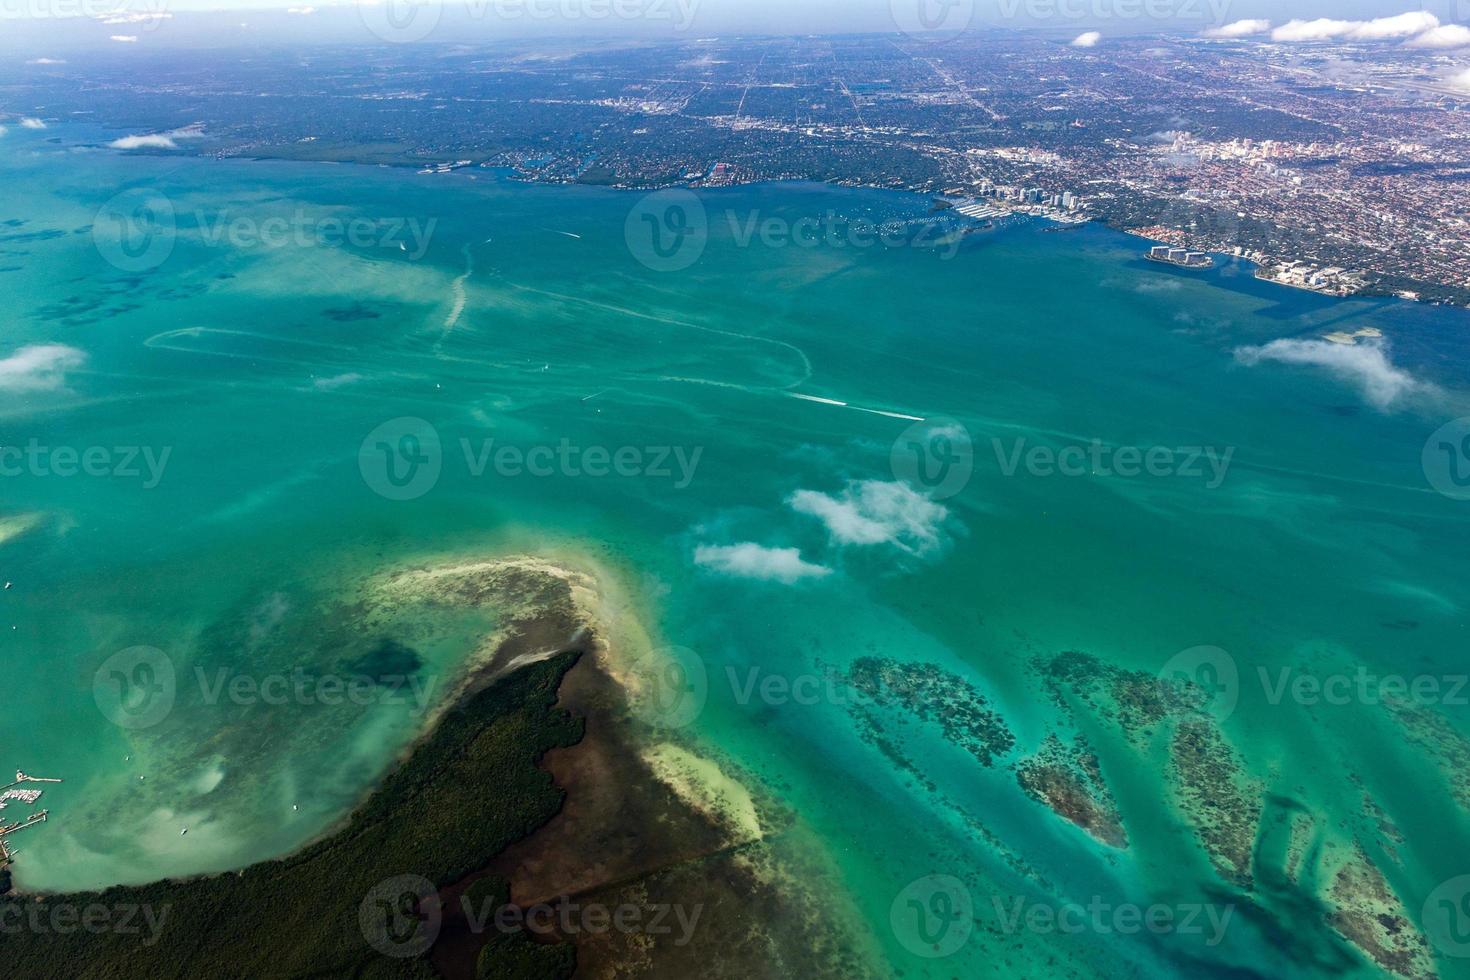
x=805 y=537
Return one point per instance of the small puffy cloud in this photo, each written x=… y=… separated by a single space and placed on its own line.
x=1365 y=367
x=301 y=11
x=40 y=367
x=1087 y=40
x=30 y=122
x=750 y=560
x=125 y=38
x=1461 y=81
x=46 y=61
x=1442 y=38
x=134 y=17
x=873 y=512
x=152 y=141
x=159 y=141
x=1240 y=28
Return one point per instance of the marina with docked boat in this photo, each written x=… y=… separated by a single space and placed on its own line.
x=22 y=790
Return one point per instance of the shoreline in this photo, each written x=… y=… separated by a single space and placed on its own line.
x=510 y=174
x=606 y=826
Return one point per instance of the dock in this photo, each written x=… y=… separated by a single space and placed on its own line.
x=10 y=794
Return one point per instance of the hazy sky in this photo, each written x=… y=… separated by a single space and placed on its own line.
x=836 y=15
x=797 y=14
x=206 y=21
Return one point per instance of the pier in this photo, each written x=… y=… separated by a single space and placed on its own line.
x=10 y=794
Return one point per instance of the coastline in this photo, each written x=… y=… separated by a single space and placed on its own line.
x=603 y=826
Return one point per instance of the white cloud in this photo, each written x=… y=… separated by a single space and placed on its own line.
x=1087 y=39
x=301 y=11
x=136 y=17
x=1404 y=25
x=153 y=141
x=1241 y=28
x=30 y=122
x=1441 y=38
x=872 y=512
x=159 y=141
x=125 y=38
x=40 y=367
x=1461 y=81
x=1364 y=366
x=1322 y=29
x=756 y=561
x=1381 y=29
x=46 y=61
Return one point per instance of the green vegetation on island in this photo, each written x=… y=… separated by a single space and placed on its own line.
x=469 y=790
